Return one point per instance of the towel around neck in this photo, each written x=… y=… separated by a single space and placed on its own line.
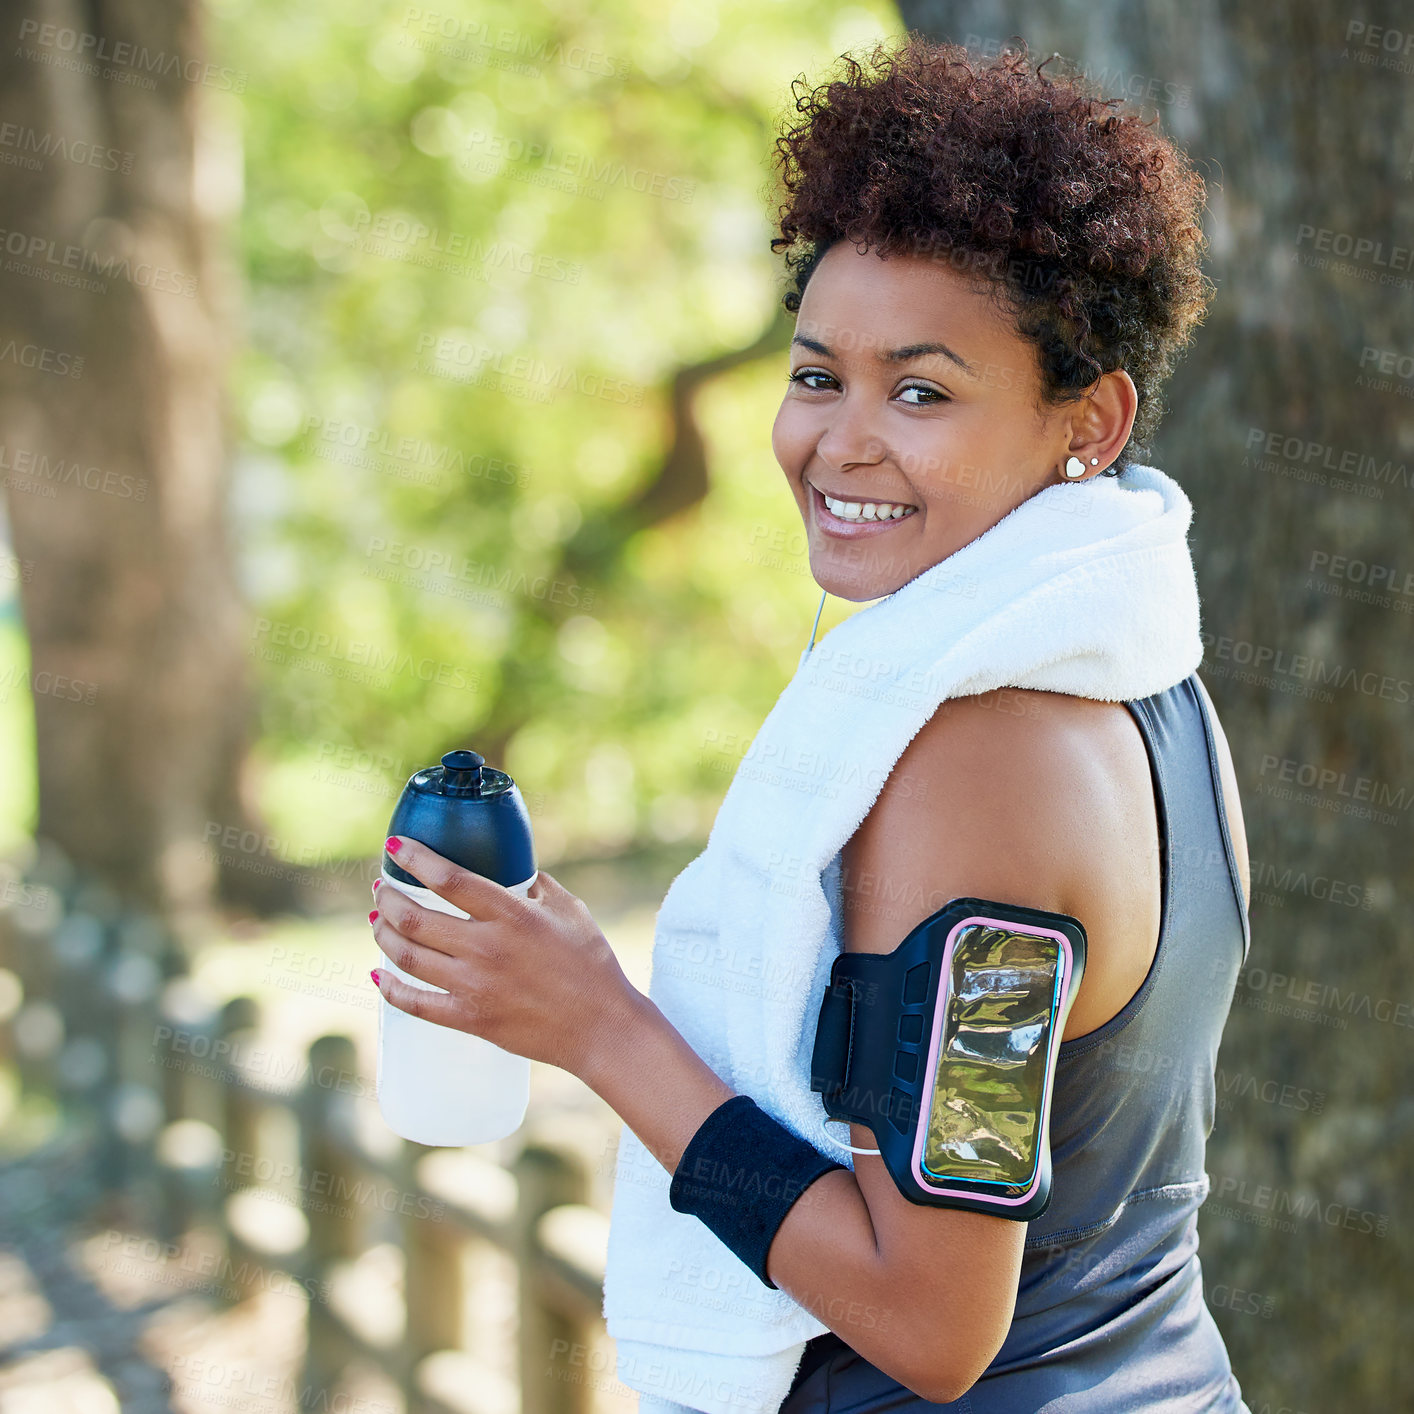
x=1086 y=588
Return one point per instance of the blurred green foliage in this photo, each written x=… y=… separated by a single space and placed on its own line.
x=19 y=790
x=476 y=243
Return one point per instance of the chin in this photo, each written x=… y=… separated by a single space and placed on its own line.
x=853 y=588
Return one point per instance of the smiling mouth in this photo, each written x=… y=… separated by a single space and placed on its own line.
x=837 y=514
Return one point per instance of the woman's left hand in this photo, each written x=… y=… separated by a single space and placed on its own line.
x=534 y=975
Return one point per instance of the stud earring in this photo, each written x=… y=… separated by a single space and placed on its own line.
x=1074 y=467
x=1094 y=461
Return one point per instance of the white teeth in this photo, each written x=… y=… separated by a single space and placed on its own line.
x=867 y=510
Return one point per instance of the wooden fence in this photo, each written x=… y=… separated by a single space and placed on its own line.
x=97 y=1014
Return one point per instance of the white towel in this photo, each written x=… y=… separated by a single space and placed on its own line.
x=1085 y=588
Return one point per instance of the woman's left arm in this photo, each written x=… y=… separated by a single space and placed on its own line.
x=924 y=1293
x=536 y=976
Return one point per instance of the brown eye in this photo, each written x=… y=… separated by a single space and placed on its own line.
x=934 y=394
x=801 y=374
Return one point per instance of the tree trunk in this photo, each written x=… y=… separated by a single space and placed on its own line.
x=114 y=333
x=1300 y=120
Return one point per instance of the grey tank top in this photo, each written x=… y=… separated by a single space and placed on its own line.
x=1110 y=1316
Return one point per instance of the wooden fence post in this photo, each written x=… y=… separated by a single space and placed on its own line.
x=136 y=1111
x=33 y=918
x=240 y=1133
x=433 y=1288
x=193 y=1101
x=83 y=1065
x=335 y=1223
x=552 y=1356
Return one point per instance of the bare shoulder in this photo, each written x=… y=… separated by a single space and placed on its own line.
x=1027 y=797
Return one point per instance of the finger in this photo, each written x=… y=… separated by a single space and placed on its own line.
x=424 y=963
x=437 y=1007
x=542 y=888
x=550 y=891
x=546 y=884
x=475 y=894
x=433 y=929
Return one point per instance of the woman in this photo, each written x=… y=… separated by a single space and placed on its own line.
x=995 y=272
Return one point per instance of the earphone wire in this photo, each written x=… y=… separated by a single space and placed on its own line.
x=816 y=624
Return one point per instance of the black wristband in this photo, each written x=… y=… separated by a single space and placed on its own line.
x=741 y=1173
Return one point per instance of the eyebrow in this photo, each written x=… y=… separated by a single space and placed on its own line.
x=903 y=355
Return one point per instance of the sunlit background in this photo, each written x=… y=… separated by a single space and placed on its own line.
x=379 y=380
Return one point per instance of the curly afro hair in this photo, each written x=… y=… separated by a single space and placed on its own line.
x=1083 y=220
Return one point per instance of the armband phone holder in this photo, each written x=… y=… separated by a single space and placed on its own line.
x=946 y=1049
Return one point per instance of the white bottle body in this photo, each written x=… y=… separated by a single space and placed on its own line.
x=437 y=1085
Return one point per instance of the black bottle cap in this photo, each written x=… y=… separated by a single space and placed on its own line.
x=470 y=813
x=461 y=773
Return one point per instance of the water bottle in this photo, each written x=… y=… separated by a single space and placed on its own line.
x=437 y=1085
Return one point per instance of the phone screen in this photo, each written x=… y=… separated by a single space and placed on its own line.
x=994 y=1048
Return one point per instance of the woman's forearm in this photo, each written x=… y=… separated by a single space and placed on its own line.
x=646 y=1072
x=824 y=1255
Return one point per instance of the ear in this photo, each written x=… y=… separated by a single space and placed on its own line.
x=1101 y=422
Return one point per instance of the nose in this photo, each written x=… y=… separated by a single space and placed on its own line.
x=849 y=440
x=850 y=437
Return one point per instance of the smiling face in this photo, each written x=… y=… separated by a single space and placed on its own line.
x=911 y=392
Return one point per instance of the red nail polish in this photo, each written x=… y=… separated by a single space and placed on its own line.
x=373 y=915
x=392 y=844
x=374 y=975
x=376 y=882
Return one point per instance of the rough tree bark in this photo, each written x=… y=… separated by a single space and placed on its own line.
x=1294 y=455
x=114 y=331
